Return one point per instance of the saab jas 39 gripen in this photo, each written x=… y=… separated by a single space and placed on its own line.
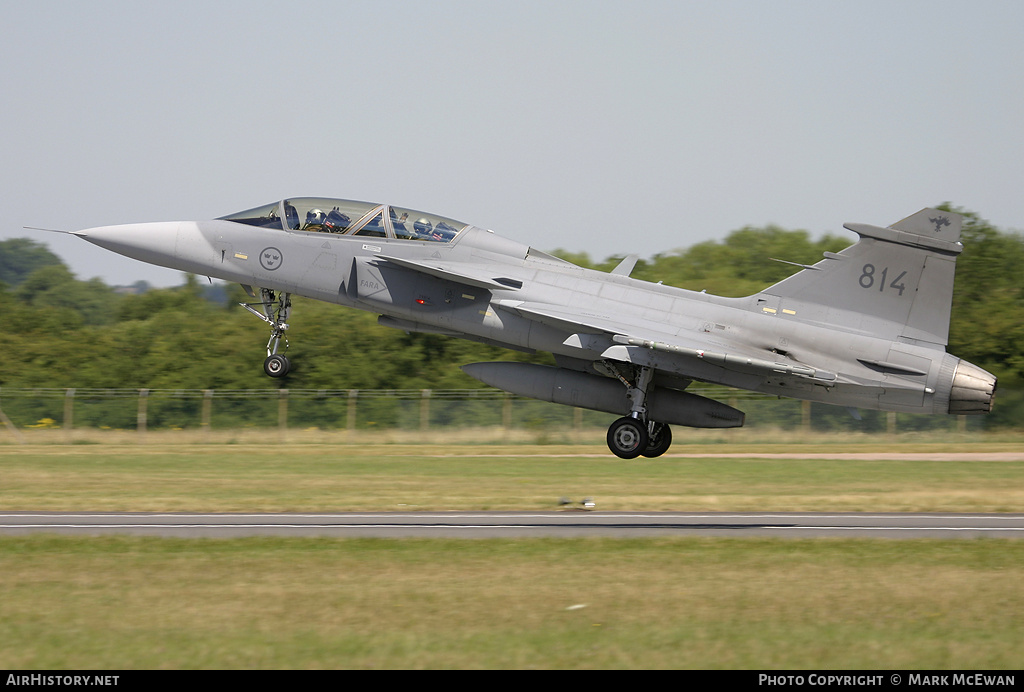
x=863 y=328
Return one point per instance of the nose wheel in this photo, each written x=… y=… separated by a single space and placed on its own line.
x=274 y=310
x=277 y=365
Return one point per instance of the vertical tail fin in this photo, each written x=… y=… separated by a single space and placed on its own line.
x=893 y=282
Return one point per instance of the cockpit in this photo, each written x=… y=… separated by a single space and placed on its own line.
x=342 y=216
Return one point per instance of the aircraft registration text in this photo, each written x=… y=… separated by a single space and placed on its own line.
x=867 y=279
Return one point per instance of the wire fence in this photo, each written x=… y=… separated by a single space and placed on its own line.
x=397 y=409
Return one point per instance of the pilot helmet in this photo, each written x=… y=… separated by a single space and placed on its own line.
x=315 y=216
x=336 y=221
x=423 y=226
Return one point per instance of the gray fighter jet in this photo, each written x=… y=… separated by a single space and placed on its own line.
x=863 y=328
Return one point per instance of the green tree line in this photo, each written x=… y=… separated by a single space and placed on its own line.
x=65 y=332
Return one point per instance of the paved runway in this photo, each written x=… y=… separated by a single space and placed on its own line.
x=565 y=524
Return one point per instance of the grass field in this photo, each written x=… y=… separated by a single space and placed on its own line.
x=129 y=602
x=338 y=477
x=121 y=603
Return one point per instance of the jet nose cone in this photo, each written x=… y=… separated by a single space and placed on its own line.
x=149 y=242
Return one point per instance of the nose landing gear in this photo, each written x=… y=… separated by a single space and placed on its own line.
x=275 y=311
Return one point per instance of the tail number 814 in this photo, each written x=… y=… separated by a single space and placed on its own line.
x=870 y=277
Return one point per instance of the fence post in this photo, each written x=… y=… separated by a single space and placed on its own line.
x=204 y=421
x=282 y=413
x=506 y=412
x=890 y=422
x=805 y=415
x=10 y=426
x=69 y=406
x=424 y=409
x=140 y=418
x=350 y=422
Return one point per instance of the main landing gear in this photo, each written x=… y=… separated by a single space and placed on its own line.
x=635 y=435
x=275 y=311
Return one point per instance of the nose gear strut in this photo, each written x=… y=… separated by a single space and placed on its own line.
x=275 y=311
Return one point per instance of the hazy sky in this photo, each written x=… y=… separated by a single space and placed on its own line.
x=605 y=127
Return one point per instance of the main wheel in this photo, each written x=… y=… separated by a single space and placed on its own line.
x=276 y=365
x=627 y=438
x=660 y=439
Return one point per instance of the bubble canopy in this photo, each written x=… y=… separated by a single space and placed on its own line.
x=327 y=215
